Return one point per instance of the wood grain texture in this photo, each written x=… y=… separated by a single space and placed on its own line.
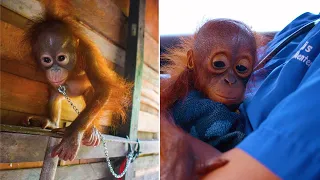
x=14 y=50
x=23 y=95
x=151 y=52
x=79 y=172
x=23 y=165
x=152 y=18
x=148 y=122
x=31 y=148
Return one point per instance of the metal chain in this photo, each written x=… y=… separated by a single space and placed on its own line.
x=130 y=156
x=62 y=90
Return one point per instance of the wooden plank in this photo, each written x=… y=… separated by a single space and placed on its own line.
x=151 y=52
x=23 y=70
x=14 y=50
x=83 y=172
x=148 y=135
x=32 y=9
x=12 y=117
x=150 y=75
x=79 y=172
x=152 y=96
x=149 y=109
x=148 y=85
x=24 y=165
x=104 y=17
x=152 y=18
x=23 y=95
x=32 y=148
x=48 y=170
x=146 y=162
x=148 y=122
x=152 y=174
x=22 y=148
x=12 y=18
x=29 y=174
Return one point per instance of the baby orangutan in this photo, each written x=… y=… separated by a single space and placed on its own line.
x=209 y=72
x=70 y=59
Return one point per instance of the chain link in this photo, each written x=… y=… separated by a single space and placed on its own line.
x=130 y=156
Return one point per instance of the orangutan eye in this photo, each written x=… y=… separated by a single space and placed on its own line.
x=218 y=64
x=46 y=60
x=241 y=68
x=61 y=58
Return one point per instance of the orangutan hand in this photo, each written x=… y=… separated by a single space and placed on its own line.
x=183 y=156
x=69 y=146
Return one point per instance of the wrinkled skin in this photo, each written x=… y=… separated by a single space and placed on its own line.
x=222 y=58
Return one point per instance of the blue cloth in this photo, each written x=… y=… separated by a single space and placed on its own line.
x=282 y=106
x=209 y=121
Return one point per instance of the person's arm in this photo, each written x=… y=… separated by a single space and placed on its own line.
x=241 y=166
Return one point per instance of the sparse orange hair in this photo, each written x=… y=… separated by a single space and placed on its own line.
x=180 y=82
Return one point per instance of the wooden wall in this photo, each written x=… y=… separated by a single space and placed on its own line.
x=24 y=90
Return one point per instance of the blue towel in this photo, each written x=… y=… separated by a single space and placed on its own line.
x=209 y=121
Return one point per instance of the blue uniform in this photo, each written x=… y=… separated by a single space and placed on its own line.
x=282 y=107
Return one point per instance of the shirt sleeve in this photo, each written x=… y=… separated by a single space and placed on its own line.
x=288 y=140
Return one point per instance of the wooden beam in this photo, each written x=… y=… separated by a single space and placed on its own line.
x=18 y=147
x=134 y=66
x=134 y=61
x=11 y=17
x=48 y=170
x=83 y=171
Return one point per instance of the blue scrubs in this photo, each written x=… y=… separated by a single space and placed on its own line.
x=282 y=107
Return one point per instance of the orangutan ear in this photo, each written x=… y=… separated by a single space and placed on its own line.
x=190 y=59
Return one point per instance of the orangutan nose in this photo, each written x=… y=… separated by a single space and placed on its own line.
x=230 y=79
x=55 y=69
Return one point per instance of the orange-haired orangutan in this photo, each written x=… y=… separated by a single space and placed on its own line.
x=69 y=58
x=217 y=61
x=208 y=73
